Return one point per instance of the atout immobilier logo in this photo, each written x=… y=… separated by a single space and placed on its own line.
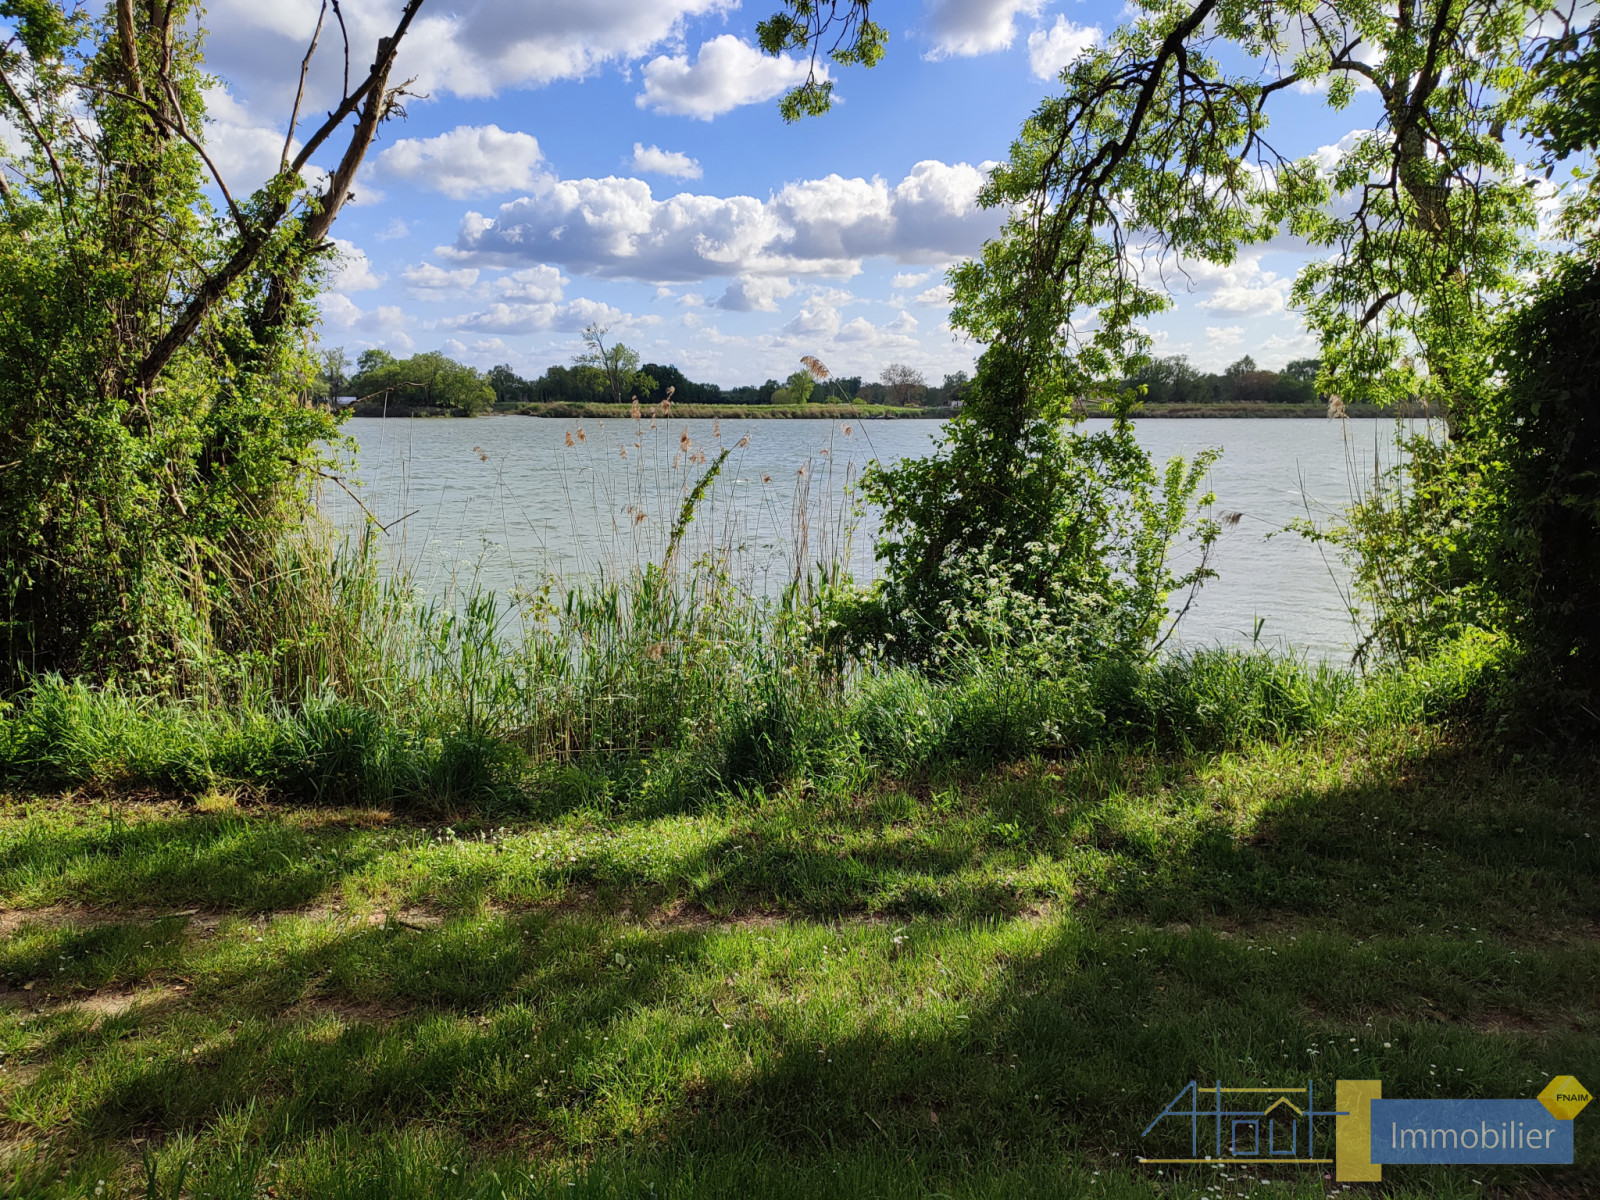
x=1267 y=1126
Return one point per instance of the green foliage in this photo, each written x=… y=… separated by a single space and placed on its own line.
x=156 y=431
x=429 y=380
x=618 y=366
x=1173 y=381
x=796 y=389
x=1546 y=565
x=1494 y=532
x=806 y=25
x=1020 y=512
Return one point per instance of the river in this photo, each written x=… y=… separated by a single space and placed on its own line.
x=510 y=501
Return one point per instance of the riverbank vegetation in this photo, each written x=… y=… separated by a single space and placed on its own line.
x=656 y=882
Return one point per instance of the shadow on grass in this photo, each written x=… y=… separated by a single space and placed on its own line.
x=965 y=1044
x=229 y=861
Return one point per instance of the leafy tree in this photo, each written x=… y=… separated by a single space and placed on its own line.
x=509 y=387
x=372 y=360
x=617 y=363
x=431 y=380
x=1158 y=150
x=154 y=345
x=796 y=389
x=1304 y=369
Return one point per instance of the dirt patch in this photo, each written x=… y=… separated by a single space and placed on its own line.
x=346 y=1010
x=1499 y=1020
x=12 y=919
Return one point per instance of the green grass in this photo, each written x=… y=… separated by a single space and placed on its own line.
x=867 y=980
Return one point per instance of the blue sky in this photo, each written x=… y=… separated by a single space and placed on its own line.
x=623 y=161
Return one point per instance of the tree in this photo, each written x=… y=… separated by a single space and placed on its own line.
x=1305 y=370
x=905 y=383
x=154 y=347
x=509 y=387
x=1245 y=366
x=617 y=363
x=335 y=369
x=430 y=380
x=796 y=389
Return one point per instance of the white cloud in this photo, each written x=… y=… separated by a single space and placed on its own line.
x=1225 y=335
x=394 y=231
x=616 y=227
x=728 y=73
x=1245 y=301
x=906 y=279
x=538 y=285
x=1240 y=288
x=388 y=322
x=896 y=334
x=653 y=160
x=472 y=48
x=246 y=151
x=470 y=160
x=755 y=294
x=968 y=27
x=433 y=283
x=814 y=321
x=534 y=318
x=1051 y=52
x=355 y=270
x=936 y=296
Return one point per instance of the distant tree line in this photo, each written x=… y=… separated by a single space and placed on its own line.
x=1174 y=381
x=603 y=373
x=613 y=374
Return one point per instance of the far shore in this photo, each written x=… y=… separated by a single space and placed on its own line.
x=879 y=412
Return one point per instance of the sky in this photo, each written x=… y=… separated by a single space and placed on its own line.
x=564 y=162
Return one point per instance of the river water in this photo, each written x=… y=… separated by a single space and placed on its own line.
x=508 y=502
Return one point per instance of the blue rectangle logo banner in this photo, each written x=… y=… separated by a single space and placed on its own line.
x=1468 y=1131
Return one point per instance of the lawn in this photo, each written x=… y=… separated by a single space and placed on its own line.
x=957 y=984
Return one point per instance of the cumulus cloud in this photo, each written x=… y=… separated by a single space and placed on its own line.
x=539 y=317
x=472 y=48
x=906 y=279
x=814 y=321
x=434 y=283
x=386 y=323
x=355 y=269
x=757 y=294
x=937 y=296
x=968 y=27
x=728 y=73
x=537 y=285
x=394 y=231
x=1241 y=288
x=1051 y=51
x=896 y=334
x=616 y=227
x=247 y=150
x=470 y=160
x=653 y=160
x=1244 y=300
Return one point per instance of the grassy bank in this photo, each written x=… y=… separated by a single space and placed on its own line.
x=915 y=938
